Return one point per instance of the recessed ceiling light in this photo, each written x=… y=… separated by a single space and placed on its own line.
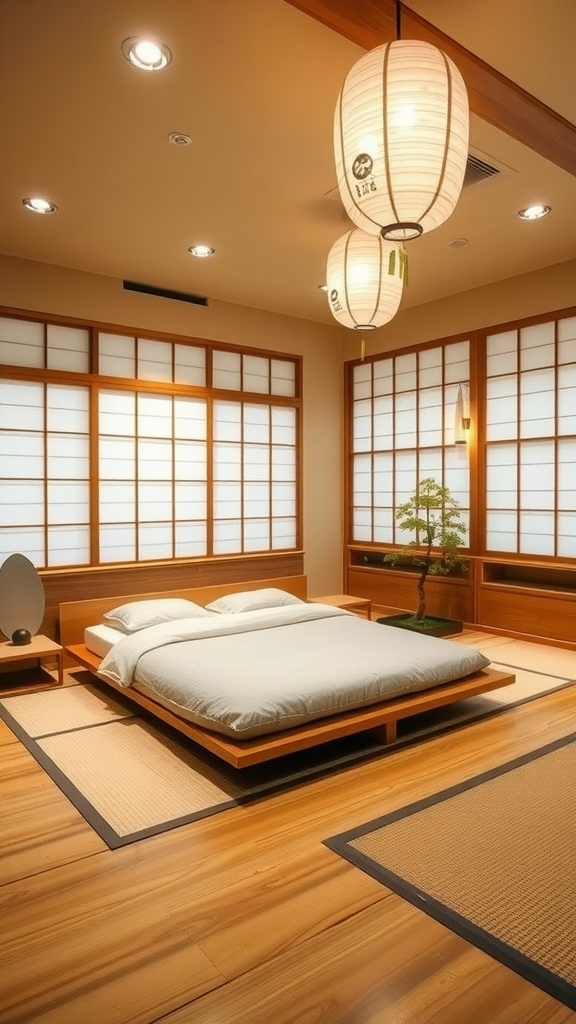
x=179 y=139
x=534 y=212
x=38 y=205
x=147 y=54
x=201 y=250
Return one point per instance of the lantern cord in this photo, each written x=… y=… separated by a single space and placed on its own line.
x=362 y=347
x=398 y=19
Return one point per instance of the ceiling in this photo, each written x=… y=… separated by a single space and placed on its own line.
x=254 y=83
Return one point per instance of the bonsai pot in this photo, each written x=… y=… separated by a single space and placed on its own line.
x=431 y=625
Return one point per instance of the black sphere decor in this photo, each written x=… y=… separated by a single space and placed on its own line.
x=20 y=637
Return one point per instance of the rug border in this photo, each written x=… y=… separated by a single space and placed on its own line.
x=529 y=969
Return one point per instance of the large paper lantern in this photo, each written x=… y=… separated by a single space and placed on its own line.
x=401 y=139
x=362 y=293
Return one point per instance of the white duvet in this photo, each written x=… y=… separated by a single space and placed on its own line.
x=254 y=673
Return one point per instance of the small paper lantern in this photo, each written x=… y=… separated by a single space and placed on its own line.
x=401 y=139
x=362 y=292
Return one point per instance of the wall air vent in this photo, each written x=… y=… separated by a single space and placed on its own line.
x=164 y=293
x=481 y=169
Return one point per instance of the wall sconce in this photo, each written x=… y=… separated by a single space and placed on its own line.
x=462 y=415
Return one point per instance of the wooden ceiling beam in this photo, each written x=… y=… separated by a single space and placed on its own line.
x=492 y=97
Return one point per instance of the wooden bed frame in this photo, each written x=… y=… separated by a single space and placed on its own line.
x=380 y=720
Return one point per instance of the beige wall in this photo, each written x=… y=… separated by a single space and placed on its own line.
x=542 y=291
x=48 y=289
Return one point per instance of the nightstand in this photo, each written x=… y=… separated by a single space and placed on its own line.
x=39 y=648
x=361 y=605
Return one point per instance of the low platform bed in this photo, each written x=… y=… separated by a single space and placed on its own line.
x=300 y=649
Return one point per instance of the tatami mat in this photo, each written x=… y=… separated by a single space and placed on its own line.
x=70 y=707
x=494 y=859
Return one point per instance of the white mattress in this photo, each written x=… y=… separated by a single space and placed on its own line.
x=256 y=673
x=100 y=639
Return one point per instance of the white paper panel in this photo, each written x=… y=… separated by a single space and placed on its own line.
x=118 y=543
x=383 y=525
x=256 y=534
x=227 y=537
x=536 y=533
x=22 y=502
x=28 y=541
x=190 y=540
x=154 y=460
x=21 y=342
x=154 y=360
x=21 y=405
x=430 y=402
x=117 y=458
x=430 y=464
x=257 y=500
x=190 y=418
x=227 y=421
x=501 y=353
x=383 y=370
x=117 y=413
x=226 y=370
x=457 y=362
x=190 y=365
x=283 y=463
x=383 y=423
x=501 y=408
x=283 y=534
x=430 y=367
x=22 y=455
x=362 y=426
x=190 y=460
x=567 y=534
x=68 y=408
x=154 y=415
x=405 y=421
x=227 y=500
x=256 y=420
x=362 y=524
x=117 y=355
x=283 y=377
x=256 y=374
x=117 y=501
x=405 y=372
x=567 y=474
x=457 y=474
x=537 y=346
x=68 y=503
x=227 y=461
x=501 y=531
x=68 y=456
x=256 y=462
x=154 y=541
x=283 y=425
x=567 y=399
x=155 y=502
x=68 y=547
x=537 y=475
x=190 y=500
x=68 y=348
x=537 y=403
x=362 y=381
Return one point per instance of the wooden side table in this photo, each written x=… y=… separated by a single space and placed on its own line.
x=39 y=648
x=359 y=605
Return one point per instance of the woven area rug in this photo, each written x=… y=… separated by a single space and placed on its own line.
x=132 y=777
x=493 y=859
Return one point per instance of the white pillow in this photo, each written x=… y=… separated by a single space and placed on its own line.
x=253 y=600
x=136 y=615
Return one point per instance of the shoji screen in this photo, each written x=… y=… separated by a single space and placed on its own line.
x=402 y=430
x=531 y=440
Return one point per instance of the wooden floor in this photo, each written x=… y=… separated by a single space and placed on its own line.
x=245 y=917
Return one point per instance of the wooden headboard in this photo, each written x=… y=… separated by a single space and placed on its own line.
x=74 y=616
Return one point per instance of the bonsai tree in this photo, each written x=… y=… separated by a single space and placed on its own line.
x=433 y=515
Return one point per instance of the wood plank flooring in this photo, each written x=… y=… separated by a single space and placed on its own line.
x=245 y=917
